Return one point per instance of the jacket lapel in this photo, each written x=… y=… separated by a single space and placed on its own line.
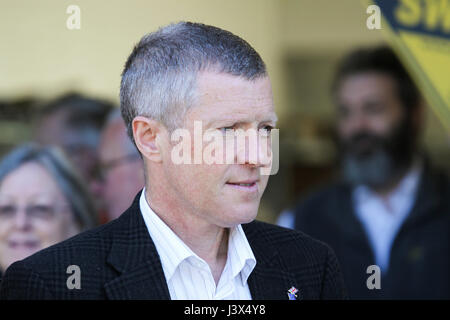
x=268 y=280
x=428 y=196
x=134 y=256
x=270 y=283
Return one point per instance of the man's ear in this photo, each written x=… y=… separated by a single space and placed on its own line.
x=147 y=136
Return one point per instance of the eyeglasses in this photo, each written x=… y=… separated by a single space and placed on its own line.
x=35 y=212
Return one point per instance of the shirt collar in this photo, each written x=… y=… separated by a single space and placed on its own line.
x=405 y=189
x=173 y=251
x=410 y=182
x=240 y=254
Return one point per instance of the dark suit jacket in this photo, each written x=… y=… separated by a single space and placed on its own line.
x=119 y=261
x=419 y=266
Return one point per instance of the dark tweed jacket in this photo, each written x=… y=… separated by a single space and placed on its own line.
x=119 y=261
x=419 y=265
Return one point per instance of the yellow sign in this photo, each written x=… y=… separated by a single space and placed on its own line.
x=420 y=32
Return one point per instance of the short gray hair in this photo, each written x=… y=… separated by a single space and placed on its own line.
x=65 y=176
x=160 y=74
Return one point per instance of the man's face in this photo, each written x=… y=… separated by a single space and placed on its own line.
x=80 y=145
x=373 y=128
x=223 y=194
x=122 y=169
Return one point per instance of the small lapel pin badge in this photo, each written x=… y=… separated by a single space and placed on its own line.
x=292 y=293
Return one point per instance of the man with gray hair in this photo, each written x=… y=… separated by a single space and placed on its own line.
x=190 y=233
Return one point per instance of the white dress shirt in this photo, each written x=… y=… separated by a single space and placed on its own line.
x=188 y=276
x=382 y=218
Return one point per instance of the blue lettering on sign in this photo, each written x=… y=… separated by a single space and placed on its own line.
x=431 y=17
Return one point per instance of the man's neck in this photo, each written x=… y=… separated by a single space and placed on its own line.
x=208 y=241
x=385 y=190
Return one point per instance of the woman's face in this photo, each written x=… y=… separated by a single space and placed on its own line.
x=34 y=213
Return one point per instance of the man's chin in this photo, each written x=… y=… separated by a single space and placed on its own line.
x=371 y=171
x=241 y=216
x=232 y=215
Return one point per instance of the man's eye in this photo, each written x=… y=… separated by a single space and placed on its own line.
x=224 y=129
x=7 y=210
x=268 y=128
x=41 y=211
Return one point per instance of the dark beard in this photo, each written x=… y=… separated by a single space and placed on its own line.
x=377 y=161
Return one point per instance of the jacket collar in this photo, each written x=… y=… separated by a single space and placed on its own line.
x=270 y=279
x=134 y=257
x=429 y=195
x=428 y=198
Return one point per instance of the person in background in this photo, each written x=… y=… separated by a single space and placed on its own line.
x=73 y=122
x=42 y=202
x=391 y=208
x=121 y=167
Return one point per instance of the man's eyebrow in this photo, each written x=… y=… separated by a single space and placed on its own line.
x=222 y=120
x=272 y=118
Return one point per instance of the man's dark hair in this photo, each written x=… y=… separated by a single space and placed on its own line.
x=381 y=59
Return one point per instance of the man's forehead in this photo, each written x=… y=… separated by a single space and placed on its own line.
x=246 y=116
x=228 y=97
x=221 y=85
x=367 y=82
x=234 y=112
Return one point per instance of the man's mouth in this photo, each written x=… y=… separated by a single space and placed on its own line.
x=248 y=185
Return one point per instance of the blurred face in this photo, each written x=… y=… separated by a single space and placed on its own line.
x=122 y=170
x=374 y=129
x=80 y=145
x=223 y=194
x=34 y=214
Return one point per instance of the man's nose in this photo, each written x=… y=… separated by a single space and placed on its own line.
x=21 y=219
x=256 y=151
x=357 y=123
